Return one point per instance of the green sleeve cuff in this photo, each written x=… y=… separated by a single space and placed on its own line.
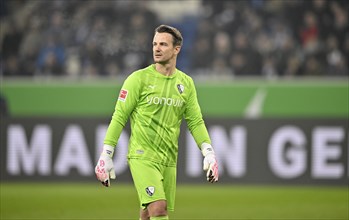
x=200 y=134
x=113 y=133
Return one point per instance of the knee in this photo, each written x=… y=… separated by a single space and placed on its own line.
x=157 y=208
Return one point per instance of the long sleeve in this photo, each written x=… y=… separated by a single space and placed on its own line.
x=127 y=100
x=194 y=119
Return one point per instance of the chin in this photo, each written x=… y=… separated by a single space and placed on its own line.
x=160 y=61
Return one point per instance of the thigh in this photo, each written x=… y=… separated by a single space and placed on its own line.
x=148 y=180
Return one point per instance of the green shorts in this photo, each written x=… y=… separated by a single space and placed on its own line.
x=153 y=182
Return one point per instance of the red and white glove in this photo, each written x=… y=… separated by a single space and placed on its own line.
x=105 y=167
x=210 y=162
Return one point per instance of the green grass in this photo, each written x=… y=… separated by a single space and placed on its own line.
x=92 y=201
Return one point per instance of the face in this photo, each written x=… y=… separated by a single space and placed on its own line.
x=163 y=50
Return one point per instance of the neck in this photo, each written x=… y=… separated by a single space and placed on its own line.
x=165 y=69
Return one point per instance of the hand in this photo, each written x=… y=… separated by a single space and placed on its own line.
x=105 y=168
x=210 y=163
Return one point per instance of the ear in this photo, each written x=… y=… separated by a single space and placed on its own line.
x=177 y=49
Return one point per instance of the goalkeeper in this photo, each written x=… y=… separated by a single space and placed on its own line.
x=156 y=99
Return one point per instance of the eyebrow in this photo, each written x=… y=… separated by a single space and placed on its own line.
x=162 y=42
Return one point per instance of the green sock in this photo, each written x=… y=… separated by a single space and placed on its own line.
x=159 y=218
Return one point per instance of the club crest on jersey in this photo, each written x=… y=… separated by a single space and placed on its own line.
x=150 y=190
x=180 y=88
x=123 y=95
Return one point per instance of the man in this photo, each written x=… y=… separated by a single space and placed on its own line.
x=156 y=98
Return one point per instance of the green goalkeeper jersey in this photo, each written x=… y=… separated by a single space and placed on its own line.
x=156 y=105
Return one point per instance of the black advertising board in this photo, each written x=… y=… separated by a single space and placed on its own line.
x=260 y=151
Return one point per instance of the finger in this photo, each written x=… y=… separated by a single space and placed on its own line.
x=209 y=176
x=210 y=170
x=106 y=183
x=112 y=174
x=205 y=167
x=212 y=174
x=208 y=173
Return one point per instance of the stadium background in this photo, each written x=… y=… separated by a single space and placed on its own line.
x=272 y=81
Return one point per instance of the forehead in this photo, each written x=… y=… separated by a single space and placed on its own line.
x=163 y=37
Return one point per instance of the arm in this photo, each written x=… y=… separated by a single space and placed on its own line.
x=198 y=130
x=127 y=100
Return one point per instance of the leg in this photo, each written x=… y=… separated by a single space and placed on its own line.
x=148 y=181
x=157 y=208
x=144 y=214
x=153 y=210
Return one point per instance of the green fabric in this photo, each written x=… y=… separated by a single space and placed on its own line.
x=153 y=182
x=156 y=105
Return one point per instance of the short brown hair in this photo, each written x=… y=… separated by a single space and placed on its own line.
x=177 y=36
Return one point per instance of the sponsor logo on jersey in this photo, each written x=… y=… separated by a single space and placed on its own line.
x=165 y=101
x=180 y=88
x=123 y=95
x=150 y=190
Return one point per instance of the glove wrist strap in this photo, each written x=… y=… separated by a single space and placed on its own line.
x=206 y=149
x=108 y=151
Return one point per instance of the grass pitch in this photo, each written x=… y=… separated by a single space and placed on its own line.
x=93 y=201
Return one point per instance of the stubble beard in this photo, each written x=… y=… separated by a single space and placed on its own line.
x=163 y=62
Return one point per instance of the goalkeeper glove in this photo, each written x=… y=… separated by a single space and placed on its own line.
x=105 y=168
x=210 y=163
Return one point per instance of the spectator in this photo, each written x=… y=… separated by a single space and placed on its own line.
x=221 y=45
x=92 y=55
x=30 y=46
x=269 y=69
x=12 y=41
x=51 y=58
x=313 y=67
x=346 y=46
x=242 y=46
x=321 y=10
x=73 y=63
x=335 y=59
x=221 y=68
x=340 y=23
x=201 y=56
x=51 y=65
x=293 y=66
x=309 y=33
x=12 y=66
x=239 y=64
x=245 y=35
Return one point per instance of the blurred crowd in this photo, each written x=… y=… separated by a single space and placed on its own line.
x=270 y=38
x=274 y=38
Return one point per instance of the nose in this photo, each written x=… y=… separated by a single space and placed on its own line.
x=156 y=48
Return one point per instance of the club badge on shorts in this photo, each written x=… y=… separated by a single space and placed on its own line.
x=150 y=190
